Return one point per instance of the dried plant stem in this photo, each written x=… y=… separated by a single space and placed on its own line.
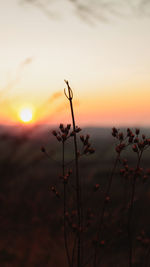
x=73 y=250
x=78 y=184
x=129 y=226
x=101 y=217
x=65 y=230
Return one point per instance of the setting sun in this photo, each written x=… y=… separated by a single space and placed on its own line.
x=26 y=115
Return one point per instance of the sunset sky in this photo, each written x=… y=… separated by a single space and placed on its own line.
x=106 y=62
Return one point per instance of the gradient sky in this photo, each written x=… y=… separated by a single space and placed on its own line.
x=107 y=64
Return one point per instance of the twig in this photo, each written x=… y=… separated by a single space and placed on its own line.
x=78 y=183
x=65 y=230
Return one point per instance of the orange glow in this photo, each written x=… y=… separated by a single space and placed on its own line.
x=26 y=115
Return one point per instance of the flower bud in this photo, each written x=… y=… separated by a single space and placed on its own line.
x=135 y=149
x=54 y=133
x=59 y=138
x=137 y=131
x=82 y=138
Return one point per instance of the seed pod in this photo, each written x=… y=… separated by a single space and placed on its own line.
x=59 y=138
x=137 y=131
x=136 y=140
x=82 y=138
x=114 y=132
x=135 y=149
x=54 y=133
x=68 y=126
x=120 y=136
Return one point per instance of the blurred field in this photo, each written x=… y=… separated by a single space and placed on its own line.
x=30 y=217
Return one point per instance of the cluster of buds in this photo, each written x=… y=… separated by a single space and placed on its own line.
x=138 y=143
x=128 y=173
x=120 y=147
x=77 y=130
x=65 y=178
x=86 y=145
x=53 y=189
x=63 y=134
x=120 y=137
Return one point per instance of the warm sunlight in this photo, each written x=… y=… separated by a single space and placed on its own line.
x=26 y=115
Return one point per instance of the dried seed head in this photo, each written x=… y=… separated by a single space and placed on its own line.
x=87 y=136
x=77 y=129
x=135 y=149
x=130 y=140
x=129 y=132
x=82 y=138
x=136 y=140
x=54 y=133
x=120 y=147
x=114 y=132
x=72 y=133
x=137 y=131
x=120 y=136
x=68 y=126
x=64 y=137
x=59 y=138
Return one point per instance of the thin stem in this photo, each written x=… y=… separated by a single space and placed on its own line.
x=78 y=184
x=65 y=230
x=73 y=250
x=101 y=217
x=129 y=226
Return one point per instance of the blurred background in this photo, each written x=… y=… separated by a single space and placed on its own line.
x=102 y=48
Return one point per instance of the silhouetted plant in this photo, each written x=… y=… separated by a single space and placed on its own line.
x=84 y=229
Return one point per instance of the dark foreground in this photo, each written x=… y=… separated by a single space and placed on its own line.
x=31 y=215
